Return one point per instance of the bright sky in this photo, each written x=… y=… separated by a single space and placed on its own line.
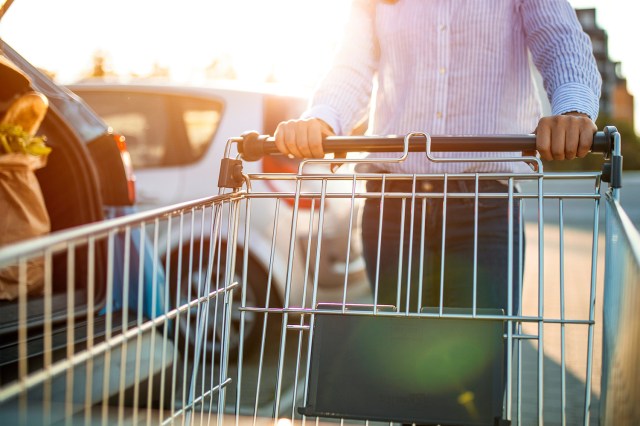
x=187 y=35
x=292 y=39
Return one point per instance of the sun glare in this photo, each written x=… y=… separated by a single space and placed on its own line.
x=288 y=41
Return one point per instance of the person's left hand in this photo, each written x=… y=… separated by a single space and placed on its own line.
x=564 y=137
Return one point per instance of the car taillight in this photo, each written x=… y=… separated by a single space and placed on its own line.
x=128 y=166
x=282 y=164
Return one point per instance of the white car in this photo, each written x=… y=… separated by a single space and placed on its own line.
x=177 y=135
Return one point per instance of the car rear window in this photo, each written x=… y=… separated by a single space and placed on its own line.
x=161 y=129
x=201 y=122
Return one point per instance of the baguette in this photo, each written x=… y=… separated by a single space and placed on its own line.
x=27 y=111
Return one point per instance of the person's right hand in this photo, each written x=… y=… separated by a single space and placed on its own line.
x=302 y=137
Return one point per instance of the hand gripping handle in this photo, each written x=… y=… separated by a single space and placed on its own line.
x=253 y=146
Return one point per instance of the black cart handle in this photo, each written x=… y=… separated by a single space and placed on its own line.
x=253 y=146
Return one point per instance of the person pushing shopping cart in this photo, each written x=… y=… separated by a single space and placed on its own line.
x=451 y=68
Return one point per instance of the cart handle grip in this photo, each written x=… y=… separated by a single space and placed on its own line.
x=254 y=146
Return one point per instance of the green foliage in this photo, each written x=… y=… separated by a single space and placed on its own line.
x=593 y=162
x=13 y=139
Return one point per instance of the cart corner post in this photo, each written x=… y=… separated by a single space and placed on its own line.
x=609 y=142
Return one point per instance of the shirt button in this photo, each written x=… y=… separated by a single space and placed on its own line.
x=439 y=114
x=443 y=27
x=442 y=70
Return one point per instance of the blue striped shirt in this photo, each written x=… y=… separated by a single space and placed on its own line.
x=456 y=67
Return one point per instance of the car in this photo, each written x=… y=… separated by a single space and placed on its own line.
x=88 y=178
x=177 y=135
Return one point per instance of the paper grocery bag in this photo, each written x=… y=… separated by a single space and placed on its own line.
x=23 y=215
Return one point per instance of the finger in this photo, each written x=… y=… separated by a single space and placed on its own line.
x=558 y=139
x=572 y=138
x=279 y=139
x=290 y=139
x=315 y=139
x=302 y=138
x=586 y=139
x=543 y=140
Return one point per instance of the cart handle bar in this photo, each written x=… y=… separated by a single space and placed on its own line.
x=254 y=146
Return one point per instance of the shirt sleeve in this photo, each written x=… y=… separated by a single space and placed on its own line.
x=343 y=96
x=563 y=54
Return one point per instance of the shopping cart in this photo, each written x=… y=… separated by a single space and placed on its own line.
x=311 y=350
x=440 y=365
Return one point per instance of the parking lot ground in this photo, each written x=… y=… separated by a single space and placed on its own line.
x=577 y=284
